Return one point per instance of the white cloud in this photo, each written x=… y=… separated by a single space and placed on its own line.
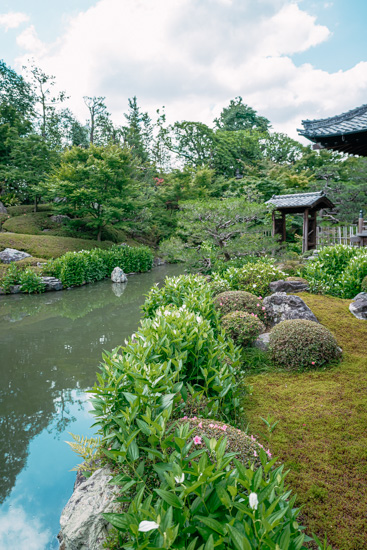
x=12 y=20
x=22 y=532
x=193 y=56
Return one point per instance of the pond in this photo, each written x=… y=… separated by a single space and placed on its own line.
x=50 y=348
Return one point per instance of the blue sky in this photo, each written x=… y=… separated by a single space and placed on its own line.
x=288 y=59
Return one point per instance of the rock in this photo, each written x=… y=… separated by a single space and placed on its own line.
x=81 y=522
x=52 y=283
x=12 y=255
x=262 y=342
x=59 y=218
x=15 y=289
x=289 y=286
x=158 y=261
x=359 y=306
x=280 y=307
x=118 y=276
x=3 y=210
x=2 y=291
x=360 y=295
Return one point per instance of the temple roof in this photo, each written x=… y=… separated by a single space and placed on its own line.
x=299 y=201
x=347 y=123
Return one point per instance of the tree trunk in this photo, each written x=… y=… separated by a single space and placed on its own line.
x=99 y=236
x=35 y=204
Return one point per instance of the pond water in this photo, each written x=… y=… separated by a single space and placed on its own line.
x=50 y=348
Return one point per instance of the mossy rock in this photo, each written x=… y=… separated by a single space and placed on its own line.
x=246 y=447
x=239 y=300
x=301 y=344
x=242 y=327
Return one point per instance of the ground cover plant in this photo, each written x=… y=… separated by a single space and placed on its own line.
x=321 y=435
x=170 y=471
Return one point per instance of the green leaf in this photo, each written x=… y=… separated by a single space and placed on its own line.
x=240 y=541
x=170 y=498
x=117 y=520
x=212 y=524
x=210 y=544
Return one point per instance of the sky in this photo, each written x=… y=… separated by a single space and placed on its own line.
x=290 y=60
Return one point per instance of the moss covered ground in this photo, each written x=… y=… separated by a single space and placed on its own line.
x=322 y=430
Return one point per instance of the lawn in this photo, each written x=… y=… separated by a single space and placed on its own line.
x=322 y=430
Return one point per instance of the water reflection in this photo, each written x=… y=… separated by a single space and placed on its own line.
x=50 y=347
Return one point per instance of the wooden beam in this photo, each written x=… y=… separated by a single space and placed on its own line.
x=273 y=227
x=284 y=234
x=305 y=231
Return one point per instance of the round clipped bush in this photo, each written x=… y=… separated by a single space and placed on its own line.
x=243 y=327
x=301 y=344
x=364 y=284
x=240 y=300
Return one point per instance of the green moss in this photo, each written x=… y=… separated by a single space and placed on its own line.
x=322 y=429
x=47 y=246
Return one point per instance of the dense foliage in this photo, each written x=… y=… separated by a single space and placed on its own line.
x=77 y=268
x=252 y=277
x=239 y=300
x=242 y=327
x=338 y=271
x=301 y=344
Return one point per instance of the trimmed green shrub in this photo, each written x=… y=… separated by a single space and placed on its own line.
x=364 y=284
x=254 y=278
x=350 y=282
x=77 y=268
x=242 y=327
x=301 y=344
x=239 y=300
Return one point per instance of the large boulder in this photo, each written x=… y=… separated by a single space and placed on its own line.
x=118 y=275
x=52 y=283
x=262 y=341
x=299 y=285
x=12 y=255
x=280 y=307
x=359 y=306
x=82 y=524
x=3 y=210
x=59 y=218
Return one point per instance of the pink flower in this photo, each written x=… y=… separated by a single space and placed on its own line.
x=252 y=438
x=197 y=440
x=184 y=418
x=224 y=428
x=211 y=425
x=258 y=305
x=255 y=453
x=260 y=297
x=194 y=417
x=220 y=304
x=312 y=362
x=263 y=308
x=200 y=425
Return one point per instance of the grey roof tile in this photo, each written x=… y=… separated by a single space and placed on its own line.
x=346 y=123
x=296 y=200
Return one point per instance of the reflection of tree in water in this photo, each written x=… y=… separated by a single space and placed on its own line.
x=50 y=345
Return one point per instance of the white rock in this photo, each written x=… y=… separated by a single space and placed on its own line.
x=118 y=276
x=262 y=341
x=12 y=255
x=82 y=524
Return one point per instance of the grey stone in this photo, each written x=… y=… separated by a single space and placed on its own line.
x=288 y=286
x=12 y=255
x=15 y=289
x=360 y=295
x=52 y=283
x=82 y=526
x=359 y=306
x=3 y=210
x=262 y=342
x=59 y=218
x=118 y=276
x=280 y=307
x=158 y=261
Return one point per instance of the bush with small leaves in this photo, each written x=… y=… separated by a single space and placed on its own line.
x=301 y=344
x=238 y=300
x=364 y=284
x=242 y=327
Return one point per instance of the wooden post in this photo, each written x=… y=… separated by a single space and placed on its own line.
x=305 y=231
x=360 y=222
x=284 y=234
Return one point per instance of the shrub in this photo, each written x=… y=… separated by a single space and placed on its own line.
x=364 y=284
x=239 y=300
x=31 y=282
x=242 y=327
x=11 y=277
x=253 y=278
x=193 y=291
x=76 y=268
x=300 y=344
x=350 y=282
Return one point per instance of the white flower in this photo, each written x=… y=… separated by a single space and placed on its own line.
x=180 y=479
x=145 y=526
x=253 y=501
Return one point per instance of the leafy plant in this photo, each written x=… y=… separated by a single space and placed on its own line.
x=242 y=327
x=87 y=448
x=239 y=300
x=31 y=282
x=11 y=277
x=254 y=278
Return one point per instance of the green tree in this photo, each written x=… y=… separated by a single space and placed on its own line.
x=193 y=142
x=138 y=133
x=238 y=116
x=94 y=184
x=100 y=126
x=234 y=150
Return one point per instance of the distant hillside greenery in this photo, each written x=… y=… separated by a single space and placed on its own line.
x=132 y=180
